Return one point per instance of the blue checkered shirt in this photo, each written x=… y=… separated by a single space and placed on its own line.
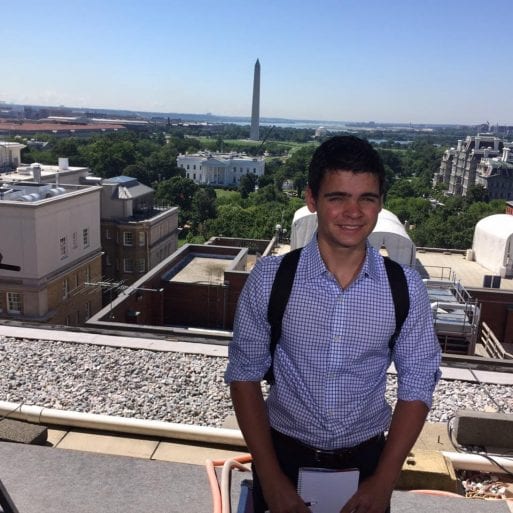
x=331 y=361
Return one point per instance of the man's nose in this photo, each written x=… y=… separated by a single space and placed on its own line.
x=353 y=209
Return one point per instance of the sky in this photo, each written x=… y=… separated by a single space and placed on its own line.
x=407 y=61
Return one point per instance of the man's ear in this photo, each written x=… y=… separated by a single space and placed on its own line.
x=310 y=200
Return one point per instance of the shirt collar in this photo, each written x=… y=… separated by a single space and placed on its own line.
x=314 y=264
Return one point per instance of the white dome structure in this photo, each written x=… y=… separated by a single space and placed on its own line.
x=388 y=233
x=304 y=224
x=493 y=244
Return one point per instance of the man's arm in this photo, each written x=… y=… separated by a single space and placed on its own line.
x=374 y=494
x=251 y=412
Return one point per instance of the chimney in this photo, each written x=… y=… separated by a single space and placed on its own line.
x=505 y=153
x=36 y=172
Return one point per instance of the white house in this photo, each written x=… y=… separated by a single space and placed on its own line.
x=219 y=169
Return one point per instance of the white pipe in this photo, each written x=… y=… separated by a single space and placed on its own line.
x=464 y=461
x=158 y=428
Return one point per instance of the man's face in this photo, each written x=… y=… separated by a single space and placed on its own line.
x=347 y=208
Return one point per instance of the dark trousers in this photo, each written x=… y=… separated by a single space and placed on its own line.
x=292 y=455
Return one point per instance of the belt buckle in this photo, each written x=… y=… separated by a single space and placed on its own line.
x=328 y=457
x=318 y=455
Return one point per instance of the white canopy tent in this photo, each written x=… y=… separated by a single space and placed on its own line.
x=493 y=244
x=388 y=233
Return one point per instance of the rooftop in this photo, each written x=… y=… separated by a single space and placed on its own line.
x=88 y=469
x=446 y=264
x=26 y=172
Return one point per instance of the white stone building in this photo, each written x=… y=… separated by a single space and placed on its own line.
x=459 y=166
x=219 y=169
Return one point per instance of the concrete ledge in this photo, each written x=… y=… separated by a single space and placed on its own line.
x=427 y=470
x=484 y=429
x=22 y=432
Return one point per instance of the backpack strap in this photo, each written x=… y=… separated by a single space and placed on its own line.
x=278 y=300
x=400 y=295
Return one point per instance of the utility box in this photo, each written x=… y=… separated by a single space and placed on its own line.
x=484 y=429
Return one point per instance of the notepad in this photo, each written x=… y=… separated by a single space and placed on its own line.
x=327 y=490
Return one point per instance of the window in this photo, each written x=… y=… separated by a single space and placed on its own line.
x=63 y=246
x=141 y=265
x=74 y=240
x=65 y=288
x=142 y=238
x=128 y=239
x=77 y=280
x=128 y=265
x=88 y=274
x=85 y=237
x=87 y=310
x=14 y=302
x=108 y=262
x=108 y=235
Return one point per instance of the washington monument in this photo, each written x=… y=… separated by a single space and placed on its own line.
x=255 y=109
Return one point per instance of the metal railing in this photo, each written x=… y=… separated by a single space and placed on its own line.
x=492 y=345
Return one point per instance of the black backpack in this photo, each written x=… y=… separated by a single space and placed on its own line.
x=282 y=287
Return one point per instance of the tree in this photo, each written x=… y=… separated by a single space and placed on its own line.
x=203 y=206
x=138 y=172
x=178 y=191
x=477 y=193
x=247 y=184
x=299 y=180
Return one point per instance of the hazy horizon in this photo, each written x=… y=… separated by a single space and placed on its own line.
x=335 y=60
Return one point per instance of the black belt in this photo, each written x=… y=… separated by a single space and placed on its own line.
x=329 y=457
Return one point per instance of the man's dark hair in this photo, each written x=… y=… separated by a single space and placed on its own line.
x=344 y=153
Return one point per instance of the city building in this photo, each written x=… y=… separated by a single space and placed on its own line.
x=136 y=234
x=459 y=166
x=50 y=237
x=496 y=175
x=197 y=287
x=220 y=169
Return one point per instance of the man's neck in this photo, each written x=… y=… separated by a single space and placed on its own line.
x=344 y=263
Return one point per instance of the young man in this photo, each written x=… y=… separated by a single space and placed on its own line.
x=327 y=406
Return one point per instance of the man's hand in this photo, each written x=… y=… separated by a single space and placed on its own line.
x=281 y=497
x=372 y=497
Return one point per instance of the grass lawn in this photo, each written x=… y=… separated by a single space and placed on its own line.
x=226 y=194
